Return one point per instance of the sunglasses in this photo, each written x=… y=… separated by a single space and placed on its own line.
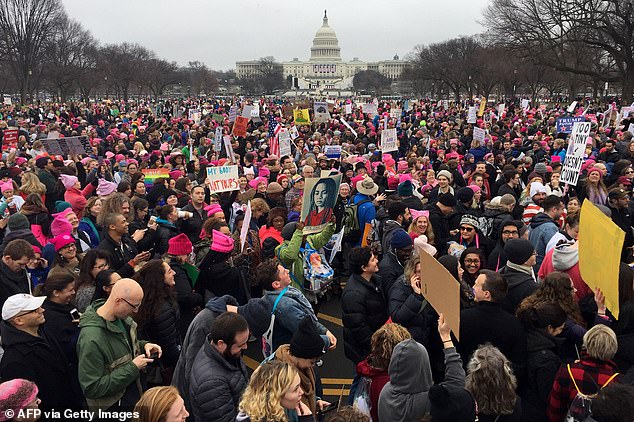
x=466 y=229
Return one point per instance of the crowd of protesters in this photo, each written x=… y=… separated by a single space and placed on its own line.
x=123 y=291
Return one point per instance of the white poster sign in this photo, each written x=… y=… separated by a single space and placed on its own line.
x=472 y=117
x=479 y=134
x=229 y=148
x=346 y=124
x=348 y=108
x=321 y=113
x=575 y=153
x=218 y=139
x=388 y=140
x=571 y=107
x=501 y=108
x=223 y=179
x=284 y=138
x=525 y=104
x=245 y=226
x=294 y=133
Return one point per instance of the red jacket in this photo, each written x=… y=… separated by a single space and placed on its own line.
x=77 y=198
x=573 y=272
x=266 y=232
x=379 y=378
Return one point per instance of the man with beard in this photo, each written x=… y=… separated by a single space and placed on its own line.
x=219 y=376
x=538 y=193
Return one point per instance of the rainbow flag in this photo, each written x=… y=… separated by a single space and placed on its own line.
x=152 y=174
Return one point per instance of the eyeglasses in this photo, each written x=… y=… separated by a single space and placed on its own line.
x=27 y=312
x=472 y=261
x=135 y=307
x=510 y=232
x=466 y=229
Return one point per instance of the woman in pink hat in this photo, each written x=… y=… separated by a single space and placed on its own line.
x=421 y=226
x=593 y=188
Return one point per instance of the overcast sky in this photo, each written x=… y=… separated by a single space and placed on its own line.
x=219 y=33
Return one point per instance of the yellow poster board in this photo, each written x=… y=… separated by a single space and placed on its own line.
x=441 y=290
x=483 y=105
x=600 y=244
x=301 y=116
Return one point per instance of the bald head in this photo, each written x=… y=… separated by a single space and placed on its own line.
x=126 y=288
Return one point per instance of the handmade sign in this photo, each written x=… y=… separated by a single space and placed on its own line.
x=479 y=134
x=320 y=196
x=245 y=226
x=348 y=108
x=472 y=116
x=321 y=113
x=571 y=107
x=575 y=153
x=284 y=138
x=67 y=146
x=229 y=148
x=396 y=113
x=483 y=104
x=218 y=139
x=223 y=178
x=240 y=126
x=301 y=116
x=233 y=113
x=10 y=139
x=389 y=141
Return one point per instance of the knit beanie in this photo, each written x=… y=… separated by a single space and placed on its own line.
x=540 y=168
x=59 y=242
x=447 y=200
x=68 y=181
x=274 y=187
x=405 y=189
x=60 y=225
x=470 y=220
x=400 y=239
x=306 y=342
x=446 y=174
x=537 y=187
x=105 y=188
x=18 y=222
x=60 y=206
x=518 y=250
x=179 y=245
x=220 y=242
x=212 y=209
x=288 y=230
x=464 y=195
x=16 y=395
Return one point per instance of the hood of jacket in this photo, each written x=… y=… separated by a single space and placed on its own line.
x=539 y=219
x=367 y=370
x=514 y=278
x=537 y=341
x=565 y=257
x=11 y=336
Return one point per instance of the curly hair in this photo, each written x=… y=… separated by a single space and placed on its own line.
x=555 y=289
x=113 y=204
x=152 y=278
x=491 y=381
x=383 y=342
x=348 y=414
x=268 y=384
x=31 y=184
x=274 y=213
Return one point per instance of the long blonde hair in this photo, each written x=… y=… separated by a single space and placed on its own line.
x=262 y=398
x=155 y=403
x=429 y=231
x=31 y=184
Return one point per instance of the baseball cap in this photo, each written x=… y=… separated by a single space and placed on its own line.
x=19 y=303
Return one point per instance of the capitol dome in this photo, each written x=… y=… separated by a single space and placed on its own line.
x=325 y=44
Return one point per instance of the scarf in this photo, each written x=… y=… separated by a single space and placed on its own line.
x=306 y=376
x=522 y=268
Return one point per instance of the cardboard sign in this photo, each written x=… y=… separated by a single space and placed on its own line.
x=600 y=244
x=218 y=139
x=321 y=113
x=284 y=138
x=229 y=148
x=472 y=116
x=10 y=139
x=67 y=146
x=389 y=141
x=564 y=124
x=301 y=116
x=479 y=134
x=571 y=107
x=332 y=151
x=240 y=126
x=575 y=153
x=245 y=226
x=223 y=178
x=441 y=290
x=367 y=230
x=320 y=196
x=348 y=108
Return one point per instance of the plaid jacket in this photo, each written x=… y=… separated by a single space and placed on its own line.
x=589 y=373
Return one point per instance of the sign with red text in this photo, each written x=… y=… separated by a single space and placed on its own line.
x=223 y=178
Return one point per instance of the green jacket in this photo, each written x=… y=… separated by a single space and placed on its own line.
x=105 y=358
x=288 y=252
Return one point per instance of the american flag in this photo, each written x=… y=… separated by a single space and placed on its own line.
x=272 y=125
x=274 y=143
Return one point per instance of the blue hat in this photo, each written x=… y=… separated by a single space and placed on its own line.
x=400 y=239
x=405 y=189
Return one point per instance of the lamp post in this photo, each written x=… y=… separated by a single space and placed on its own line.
x=514 y=81
x=105 y=83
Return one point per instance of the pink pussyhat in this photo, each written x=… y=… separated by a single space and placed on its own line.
x=222 y=243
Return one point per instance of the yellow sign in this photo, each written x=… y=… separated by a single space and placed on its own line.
x=301 y=116
x=483 y=105
x=600 y=244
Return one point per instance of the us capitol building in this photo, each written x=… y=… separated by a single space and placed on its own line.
x=325 y=70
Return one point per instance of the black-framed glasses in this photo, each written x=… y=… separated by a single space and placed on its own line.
x=135 y=307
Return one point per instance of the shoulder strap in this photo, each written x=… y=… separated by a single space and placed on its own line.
x=610 y=380
x=279 y=296
x=573 y=379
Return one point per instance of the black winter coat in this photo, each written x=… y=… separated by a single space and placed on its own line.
x=11 y=282
x=187 y=299
x=148 y=240
x=215 y=385
x=163 y=234
x=390 y=269
x=219 y=278
x=163 y=330
x=40 y=359
x=521 y=285
x=194 y=225
x=25 y=234
x=364 y=310
x=406 y=308
x=440 y=225
x=60 y=326
x=542 y=365
x=120 y=254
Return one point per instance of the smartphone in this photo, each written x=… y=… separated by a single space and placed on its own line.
x=329 y=408
x=154 y=355
x=75 y=314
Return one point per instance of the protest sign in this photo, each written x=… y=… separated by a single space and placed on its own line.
x=294 y=133
x=152 y=174
x=255 y=112
x=245 y=226
x=223 y=178
x=284 y=138
x=229 y=148
x=219 y=118
x=441 y=290
x=332 y=151
x=233 y=113
x=388 y=140
x=246 y=111
x=365 y=240
x=240 y=126
x=576 y=151
x=348 y=108
x=320 y=196
x=218 y=139
x=631 y=128
x=600 y=245
x=67 y=146
x=525 y=104
x=479 y=134
x=472 y=116
x=483 y=104
x=445 y=104
x=10 y=139
x=501 y=109
x=346 y=124
x=337 y=245
x=7 y=100
x=301 y=116
x=320 y=110
x=625 y=112
x=370 y=109
x=572 y=107
x=564 y=124
x=396 y=113
x=194 y=115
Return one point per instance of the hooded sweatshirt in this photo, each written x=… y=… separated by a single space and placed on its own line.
x=543 y=228
x=565 y=258
x=405 y=397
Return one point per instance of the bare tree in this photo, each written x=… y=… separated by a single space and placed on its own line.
x=121 y=63
x=158 y=74
x=25 y=25
x=200 y=78
x=372 y=81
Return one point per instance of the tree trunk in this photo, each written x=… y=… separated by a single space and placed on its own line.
x=628 y=86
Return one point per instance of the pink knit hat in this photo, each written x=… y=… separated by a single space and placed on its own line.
x=474 y=188
x=401 y=166
x=60 y=226
x=16 y=395
x=220 y=242
x=105 y=188
x=416 y=214
x=62 y=241
x=212 y=209
x=179 y=245
x=68 y=181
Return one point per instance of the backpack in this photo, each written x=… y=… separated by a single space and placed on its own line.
x=580 y=409
x=352 y=232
